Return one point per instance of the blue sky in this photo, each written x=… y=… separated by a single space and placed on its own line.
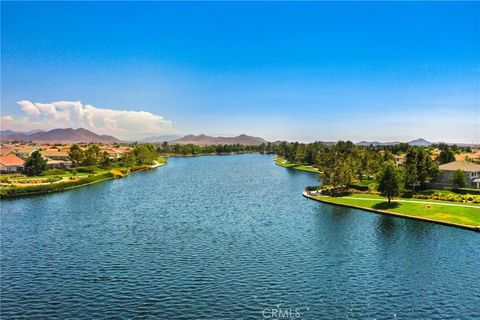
x=297 y=71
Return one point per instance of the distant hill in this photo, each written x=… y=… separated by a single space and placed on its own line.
x=420 y=142
x=202 y=140
x=162 y=138
x=416 y=142
x=60 y=136
x=376 y=143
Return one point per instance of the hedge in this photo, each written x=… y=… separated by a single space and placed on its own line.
x=465 y=190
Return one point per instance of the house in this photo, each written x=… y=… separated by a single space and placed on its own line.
x=55 y=154
x=6 y=150
x=399 y=160
x=61 y=164
x=472 y=172
x=11 y=164
x=25 y=151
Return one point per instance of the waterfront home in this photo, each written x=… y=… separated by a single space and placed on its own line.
x=472 y=173
x=11 y=164
x=25 y=151
x=6 y=150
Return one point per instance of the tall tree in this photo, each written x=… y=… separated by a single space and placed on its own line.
x=389 y=181
x=92 y=155
x=419 y=167
x=446 y=156
x=76 y=155
x=35 y=164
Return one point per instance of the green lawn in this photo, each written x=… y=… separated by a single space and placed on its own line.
x=284 y=163
x=64 y=175
x=435 y=210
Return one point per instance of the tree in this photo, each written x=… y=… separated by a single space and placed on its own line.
x=105 y=161
x=389 y=181
x=35 y=164
x=459 y=178
x=446 y=156
x=419 y=167
x=92 y=155
x=76 y=155
x=147 y=153
x=300 y=154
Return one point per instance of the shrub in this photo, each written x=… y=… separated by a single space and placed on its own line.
x=359 y=187
x=465 y=191
x=53 y=179
x=88 y=169
x=312 y=188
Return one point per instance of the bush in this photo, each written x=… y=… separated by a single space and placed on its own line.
x=53 y=179
x=312 y=188
x=465 y=190
x=336 y=192
x=359 y=187
x=53 y=172
x=4 y=180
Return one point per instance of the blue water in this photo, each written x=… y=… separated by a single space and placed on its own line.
x=226 y=237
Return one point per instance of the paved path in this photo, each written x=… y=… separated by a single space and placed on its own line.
x=423 y=202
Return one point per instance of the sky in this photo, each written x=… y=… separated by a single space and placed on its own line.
x=279 y=70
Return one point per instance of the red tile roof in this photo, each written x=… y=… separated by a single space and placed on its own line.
x=11 y=160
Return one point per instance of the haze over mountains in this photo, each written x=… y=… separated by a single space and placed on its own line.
x=70 y=135
x=417 y=142
x=57 y=136
x=209 y=140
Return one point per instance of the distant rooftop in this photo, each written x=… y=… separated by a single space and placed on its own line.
x=462 y=165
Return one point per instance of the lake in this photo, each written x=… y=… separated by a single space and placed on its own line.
x=227 y=237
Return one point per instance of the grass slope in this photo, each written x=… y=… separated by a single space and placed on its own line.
x=284 y=163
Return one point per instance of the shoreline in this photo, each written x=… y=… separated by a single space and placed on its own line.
x=112 y=177
x=395 y=214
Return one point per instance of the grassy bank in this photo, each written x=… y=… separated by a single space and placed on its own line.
x=70 y=181
x=19 y=191
x=457 y=214
x=284 y=163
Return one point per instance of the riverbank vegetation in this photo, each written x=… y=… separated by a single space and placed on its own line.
x=194 y=150
x=385 y=178
x=88 y=165
x=398 y=170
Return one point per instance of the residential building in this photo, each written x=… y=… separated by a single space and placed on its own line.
x=55 y=154
x=472 y=173
x=11 y=164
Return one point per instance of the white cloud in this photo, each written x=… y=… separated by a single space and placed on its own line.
x=73 y=114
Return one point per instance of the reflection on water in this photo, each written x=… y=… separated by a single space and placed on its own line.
x=226 y=237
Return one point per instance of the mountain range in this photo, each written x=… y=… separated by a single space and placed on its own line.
x=167 y=138
x=417 y=142
x=202 y=140
x=57 y=136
